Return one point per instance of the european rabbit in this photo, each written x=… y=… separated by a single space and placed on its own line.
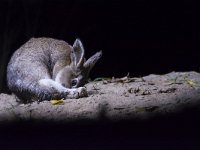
x=46 y=68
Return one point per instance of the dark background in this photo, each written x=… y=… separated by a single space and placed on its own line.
x=139 y=36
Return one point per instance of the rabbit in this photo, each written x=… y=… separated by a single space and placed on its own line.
x=46 y=68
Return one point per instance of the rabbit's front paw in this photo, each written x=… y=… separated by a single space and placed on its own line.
x=82 y=92
x=77 y=93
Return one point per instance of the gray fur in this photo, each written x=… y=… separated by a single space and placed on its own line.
x=46 y=68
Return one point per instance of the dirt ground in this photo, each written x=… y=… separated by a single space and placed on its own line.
x=114 y=99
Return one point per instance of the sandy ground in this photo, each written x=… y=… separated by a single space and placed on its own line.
x=114 y=99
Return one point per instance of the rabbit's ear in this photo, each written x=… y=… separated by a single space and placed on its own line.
x=89 y=64
x=77 y=54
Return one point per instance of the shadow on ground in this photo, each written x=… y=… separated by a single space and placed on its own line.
x=178 y=131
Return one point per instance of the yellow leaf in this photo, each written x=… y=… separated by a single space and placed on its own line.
x=192 y=82
x=56 y=102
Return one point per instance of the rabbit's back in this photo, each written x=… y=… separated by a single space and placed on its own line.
x=35 y=60
x=38 y=56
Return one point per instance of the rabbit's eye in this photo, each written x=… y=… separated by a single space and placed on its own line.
x=63 y=84
x=74 y=82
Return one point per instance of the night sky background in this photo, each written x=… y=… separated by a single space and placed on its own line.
x=137 y=36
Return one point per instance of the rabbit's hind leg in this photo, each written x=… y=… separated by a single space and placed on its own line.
x=69 y=93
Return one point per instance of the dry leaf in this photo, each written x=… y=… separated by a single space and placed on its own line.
x=56 y=102
x=190 y=82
